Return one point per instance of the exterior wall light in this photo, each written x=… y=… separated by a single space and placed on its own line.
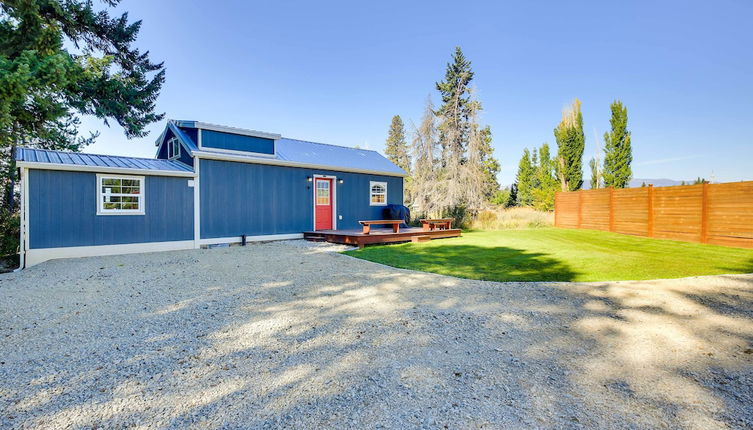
x=340 y=181
x=309 y=178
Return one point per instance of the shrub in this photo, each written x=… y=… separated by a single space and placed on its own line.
x=463 y=217
x=10 y=226
x=513 y=218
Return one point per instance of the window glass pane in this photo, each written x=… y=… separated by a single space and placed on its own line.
x=120 y=194
x=322 y=192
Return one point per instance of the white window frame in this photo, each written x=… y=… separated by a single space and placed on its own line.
x=141 y=196
x=173 y=148
x=371 y=193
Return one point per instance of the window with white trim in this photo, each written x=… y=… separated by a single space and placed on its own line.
x=120 y=195
x=173 y=148
x=378 y=192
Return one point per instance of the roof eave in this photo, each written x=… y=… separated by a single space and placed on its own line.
x=103 y=169
x=226 y=129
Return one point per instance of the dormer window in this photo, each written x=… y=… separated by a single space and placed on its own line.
x=173 y=148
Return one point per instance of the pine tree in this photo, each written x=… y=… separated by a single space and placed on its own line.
x=513 y=200
x=456 y=106
x=468 y=170
x=618 y=152
x=396 y=148
x=571 y=143
x=425 y=169
x=524 y=180
x=46 y=86
x=491 y=164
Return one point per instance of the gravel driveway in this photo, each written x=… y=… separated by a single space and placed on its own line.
x=290 y=334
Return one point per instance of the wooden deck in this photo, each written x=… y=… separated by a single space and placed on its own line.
x=377 y=235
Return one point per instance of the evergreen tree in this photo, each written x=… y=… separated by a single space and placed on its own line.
x=524 y=180
x=45 y=85
x=396 y=148
x=571 y=143
x=468 y=170
x=456 y=106
x=491 y=164
x=513 y=200
x=618 y=152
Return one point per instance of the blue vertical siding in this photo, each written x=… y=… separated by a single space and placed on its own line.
x=236 y=142
x=185 y=157
x=63 y=212
x=256 y=199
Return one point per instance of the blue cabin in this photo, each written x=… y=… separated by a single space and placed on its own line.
x=209 y=184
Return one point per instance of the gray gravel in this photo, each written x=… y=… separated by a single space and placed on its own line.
x=291 y=334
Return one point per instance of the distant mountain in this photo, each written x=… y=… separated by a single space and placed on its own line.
x=637 y=182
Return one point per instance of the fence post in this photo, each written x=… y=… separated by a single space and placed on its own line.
x=650 y=231
x=556 y=212
x=580 y=207
x=611 y=208
x=705 y=214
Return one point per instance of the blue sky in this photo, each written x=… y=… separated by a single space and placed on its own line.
x=337 y=73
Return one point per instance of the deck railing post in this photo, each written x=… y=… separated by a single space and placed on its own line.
x=650 y=230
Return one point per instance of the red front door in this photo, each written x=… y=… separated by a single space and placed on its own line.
x=323 y=203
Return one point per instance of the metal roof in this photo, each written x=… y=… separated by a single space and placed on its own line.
x=32 y=155
x=295 y=151
x=301 y=151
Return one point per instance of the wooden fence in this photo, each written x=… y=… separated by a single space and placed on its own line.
x=720 y=214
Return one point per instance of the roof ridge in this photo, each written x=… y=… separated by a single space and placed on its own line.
x=330 y=144
x=96 y=155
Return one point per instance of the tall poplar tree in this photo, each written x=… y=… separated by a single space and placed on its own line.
x=593 y=164
x=571 y=142
x=546 y=181
x=524 y=179
x=396 y=148
x=617 y=148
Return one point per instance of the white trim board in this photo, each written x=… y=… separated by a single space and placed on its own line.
x=36 y=256
x=278 y=162
x=103 y=169
x=260 y=238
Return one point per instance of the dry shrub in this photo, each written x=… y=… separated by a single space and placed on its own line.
x=512 y=218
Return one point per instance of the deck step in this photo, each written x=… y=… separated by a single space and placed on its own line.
x=315 y=238
x=421 y=238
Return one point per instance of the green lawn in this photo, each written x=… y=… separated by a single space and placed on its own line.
x=560 y=255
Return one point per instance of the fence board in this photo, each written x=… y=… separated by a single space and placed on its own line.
x=722 y=214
